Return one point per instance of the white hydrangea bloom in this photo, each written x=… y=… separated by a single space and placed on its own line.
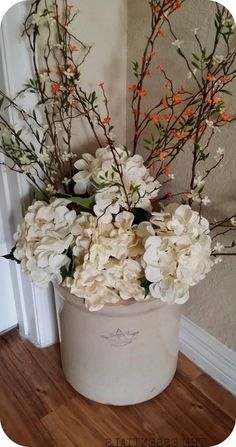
x=107 y=258
x=102 y=174
x=178 y=255
x=97 y=242
x=119 y=280
x=42 y=240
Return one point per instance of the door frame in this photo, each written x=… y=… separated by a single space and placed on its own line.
x=35 y=307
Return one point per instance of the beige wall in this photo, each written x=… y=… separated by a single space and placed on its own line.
x=104 y=24
x=213 y=302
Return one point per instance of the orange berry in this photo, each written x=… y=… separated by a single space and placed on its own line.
x=106 y=120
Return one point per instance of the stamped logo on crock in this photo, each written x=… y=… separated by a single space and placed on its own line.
x=120 y=338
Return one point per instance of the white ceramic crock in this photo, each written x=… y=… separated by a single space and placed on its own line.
x=123 y=354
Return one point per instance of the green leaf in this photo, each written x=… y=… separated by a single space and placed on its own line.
x=227 y=92
x=135 y=68
x=195 y=57
x=93 y=97
x=65 y=273
x=146 y=284
x=38 y=195
x=37 y=135
x=11 y=256
x=68 y=272
x=195 y=64
x=141 y=215
x=203 y=157
x=85 y=202
x=1 y=101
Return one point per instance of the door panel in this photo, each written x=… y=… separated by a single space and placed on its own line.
x=8 y=317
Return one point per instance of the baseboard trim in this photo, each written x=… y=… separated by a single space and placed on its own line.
x=9 y=329
x=209 y=354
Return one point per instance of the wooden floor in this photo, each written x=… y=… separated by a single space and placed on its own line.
x=38 y=408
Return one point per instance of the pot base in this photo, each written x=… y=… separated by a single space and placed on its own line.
x=93 y=394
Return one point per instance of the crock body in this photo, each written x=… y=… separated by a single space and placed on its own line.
x=123 y=354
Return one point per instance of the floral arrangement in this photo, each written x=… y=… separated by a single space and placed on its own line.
x=99 y=223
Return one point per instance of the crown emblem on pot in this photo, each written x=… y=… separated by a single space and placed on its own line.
x=120 y=338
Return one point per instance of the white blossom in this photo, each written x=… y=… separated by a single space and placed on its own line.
x=59 y=46
x=28 y=169
x=194 y=195
x=5 y=132
x=199 y=182
x=220 y=151
x=178 y=43
x=229 y=23
x=40 y=19
x=43 y=157
x=189 y=76
x=25 y=160
x=219 y=154
x=233 y=221
x=218 y=59
x=44 y=77
x=69 y=73
x=50 y=188
x=210 y=124
x=66 y=181
x=50 y=148
x=218 y=248
x=66 y=156
x=206 y=200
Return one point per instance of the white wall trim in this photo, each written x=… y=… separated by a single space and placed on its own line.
x=208 y=353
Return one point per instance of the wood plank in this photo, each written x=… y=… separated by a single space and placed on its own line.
x=213 y=391
x=210 y=419
x=187 y=369
x=181 y=419
x=37 y=376
x=13 y=377
x=68 y=426
x=19 y=421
